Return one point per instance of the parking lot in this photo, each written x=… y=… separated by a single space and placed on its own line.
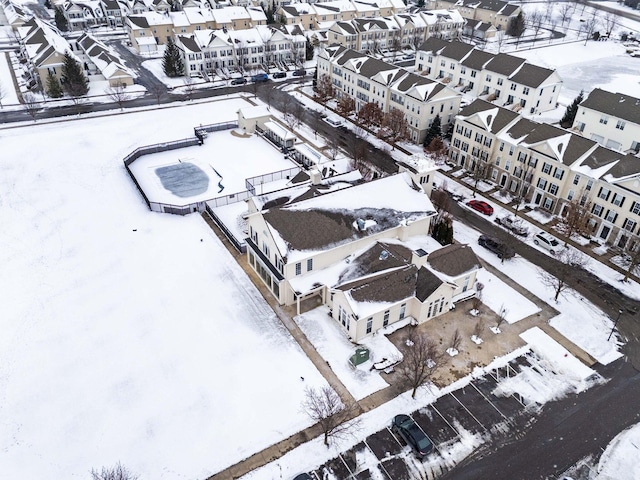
x=457 y=422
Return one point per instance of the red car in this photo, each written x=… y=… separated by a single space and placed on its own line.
x=482 y=207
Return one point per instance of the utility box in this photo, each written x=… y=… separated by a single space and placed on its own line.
x=361 y=356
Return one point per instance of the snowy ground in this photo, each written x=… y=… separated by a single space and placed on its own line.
x=128 y=334
x=620 y=460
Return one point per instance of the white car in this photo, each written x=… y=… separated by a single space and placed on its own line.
x=549 y=242
x=333 y=121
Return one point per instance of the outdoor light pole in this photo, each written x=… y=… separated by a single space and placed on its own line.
x=614 y=324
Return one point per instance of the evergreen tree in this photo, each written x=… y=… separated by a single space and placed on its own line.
x=172 y=61
x=47 y=3
x=570 y=114
x=435 y=130
x=61 y=20
x=516 y=26
x=308 y=50
x=53 y=88
x=73 y=80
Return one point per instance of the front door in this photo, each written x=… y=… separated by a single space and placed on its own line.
x=604 y=233
x=538 y=198
x=503 y=180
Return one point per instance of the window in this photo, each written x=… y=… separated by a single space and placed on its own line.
x=618 y=200
x=513 y=87
x=507 y=165
x=501 y=146
x=558 y=173
x=511 y=149
x=570 y=195
x=604 y=193
x=542 y=183
x=597 y=210
x=604 y=120
x=620 y=125
x=635 y=208
x=385 y=321
x=463 y=70
x=553 y=189
x=499 y=81
x=522 y=157
x=611 y=216
x=629 y=225
x=309 y=264
x=369 y=324
x=589 y=185
x=265 y=249
x=525 y=90
x=488 y=78
x=403 y=309
x=576 y=179
x=298 y=268
x=473 y=74
x=343 y=317
x=546 y=168
x=548 y=204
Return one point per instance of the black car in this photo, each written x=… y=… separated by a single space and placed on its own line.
x=299 y=73
x=496 y=246
x=412 y=434
x=280 y=75
x=239 y=81
x=303 y=476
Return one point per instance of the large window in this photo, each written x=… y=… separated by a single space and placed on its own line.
x=298 y=268
x=309 y=264
x=369 y=324
x=385 y=321
x=403 y=309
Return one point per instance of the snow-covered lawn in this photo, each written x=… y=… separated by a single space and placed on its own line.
x=128 y=335
x=620 y=459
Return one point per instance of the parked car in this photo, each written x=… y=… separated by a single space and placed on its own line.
x=280 y=75
x=333 y=121
x=496 y=246
x=303 y=476
x=299 y=73
x=481 y=206
x=409 y=56
x=239 y=81
x=513 y=224
x=412 y=434
x=549 y=242
x=260 y=77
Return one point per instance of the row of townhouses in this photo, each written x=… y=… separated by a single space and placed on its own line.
x=14 y=13
x=367 y=79
x=497 y=13
x=320 y=15
x=395 y=32
x=366 y=256
x=211 y=50
x=149 y=29
x=43 y=49
x=550 y=166
x=503 y=79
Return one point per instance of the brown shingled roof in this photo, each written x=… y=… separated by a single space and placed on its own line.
x=615 y=104
x=453 y=260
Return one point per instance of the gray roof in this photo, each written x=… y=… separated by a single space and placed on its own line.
x=503 y=118
x=617 y=105
x=426 y=284
x=453 y=260
x=504 y=64
x=189 y=43
x=433 y=44
x=375 y=260
x=456 y=50
x=476 y=59
x=531 y=75
x=139 y=21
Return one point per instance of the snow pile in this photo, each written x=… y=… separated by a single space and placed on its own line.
x=620 y=459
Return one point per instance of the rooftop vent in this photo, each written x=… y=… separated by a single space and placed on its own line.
x=384 y=255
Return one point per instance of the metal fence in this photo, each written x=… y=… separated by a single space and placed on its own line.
x=238 y=244
x=270 y=177
x=159 y=147
x=216 y=127
x=229 y=199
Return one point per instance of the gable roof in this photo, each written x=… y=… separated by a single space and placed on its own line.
x=617 y=105
x=453 y=260
x=492 y=117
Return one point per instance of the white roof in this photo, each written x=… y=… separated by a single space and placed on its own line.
x=255 y=112
x=279 y=130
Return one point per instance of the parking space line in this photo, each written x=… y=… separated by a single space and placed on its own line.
x=446 y=421
x=351 y=474
x=498 y=379
x=490 y=402
x=394 y=437
x=469 y=412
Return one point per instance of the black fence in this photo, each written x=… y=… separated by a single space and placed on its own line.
x=238 y=245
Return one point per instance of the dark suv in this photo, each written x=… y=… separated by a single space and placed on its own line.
x=496 y=246
x=412 y=434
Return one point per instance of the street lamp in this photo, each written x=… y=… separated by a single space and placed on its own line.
x=614 y=324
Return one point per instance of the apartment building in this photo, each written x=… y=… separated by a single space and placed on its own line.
x=495 y=12
x=367 y=79
x=611 y=119
x=212 y=50
x=550 y=166
x=394 y=32
x=503 y=79
x=321 y=15
x=147 y=30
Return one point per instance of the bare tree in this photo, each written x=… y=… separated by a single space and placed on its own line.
x=422 y=359
x=476 y=303
x=336 y=419
x=535 y=21
x=502 y=315
x=441 y=199
x=113 y=473
x=456 y=340
x=333 y=144
x=478 y=329
x=118 y=94
x=631 y=254
x=157 y=90
x=370 y=114
x=31 y=105
x=569 y=259
x=395 y=127
x=610 y=20
x=566 y=9
x=479 y=170
x=522 y=191
x=501 y=38
x=189 y=86
x=548 y=9
x=590 y=26
x=346 y=106
x=324 y=90
x=575 y=215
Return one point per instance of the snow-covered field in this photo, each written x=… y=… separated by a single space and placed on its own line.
x=128 y=335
